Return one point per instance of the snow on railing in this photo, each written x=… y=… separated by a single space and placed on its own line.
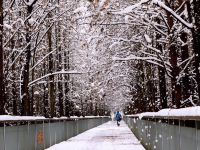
x=187 y=113
x=4 y=118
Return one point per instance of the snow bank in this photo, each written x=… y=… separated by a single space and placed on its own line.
x=182 y=112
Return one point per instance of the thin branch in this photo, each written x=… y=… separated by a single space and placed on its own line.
x=55 y=73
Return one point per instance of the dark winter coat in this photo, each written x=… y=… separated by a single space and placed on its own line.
x=118 y=116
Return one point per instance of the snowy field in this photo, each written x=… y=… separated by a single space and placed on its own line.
x=105 y=137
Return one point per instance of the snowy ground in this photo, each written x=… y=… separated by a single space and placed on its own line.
x=105 y=137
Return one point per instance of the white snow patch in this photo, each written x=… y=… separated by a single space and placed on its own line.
x=21 y=21
x=36 y=93
x=147 y=38
x=7 y=26
x=31 y=21
x=126 y=19
x=80 y=9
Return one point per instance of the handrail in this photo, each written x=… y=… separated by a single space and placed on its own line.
x=39 y=134
x=166 y=132
x=166 y=117
x=12 y=122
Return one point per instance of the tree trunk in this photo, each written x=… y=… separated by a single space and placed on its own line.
x=176 y=87
x=150 y=92
x=2 y=91
x=32 y=91
x=161 y=74
x=67 y=101
x=185 y=56
x=45 y=97
x=140 y=100
x=162 y=86
x=60 y=66
x=51 y=77
x=14 y=94
x=25 y=73
x=60 y=87
x=66 y=85
x=196 y=42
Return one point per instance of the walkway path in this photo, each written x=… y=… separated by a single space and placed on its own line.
x=104 y=137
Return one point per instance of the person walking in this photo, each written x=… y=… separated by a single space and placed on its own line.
x=118 y=117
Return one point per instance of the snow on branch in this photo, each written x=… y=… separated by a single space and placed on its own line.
x=16 y=58
x=151 y=60
x=133 y=57
x=188 y=62
x=130 y=8
x=80 y=9
x=152 y=48
x=55 y=73
x=162 y=5
x=42 y=59
x=155 y=27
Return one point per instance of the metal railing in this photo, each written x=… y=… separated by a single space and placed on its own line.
x=41 y=134
x=166 y=133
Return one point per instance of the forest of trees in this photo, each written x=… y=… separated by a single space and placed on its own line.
x=89 y=57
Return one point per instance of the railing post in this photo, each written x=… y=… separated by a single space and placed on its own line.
x=4 y=135
x=17 y=137
x=87 y=125
x=28 y=132
x=179 y=132
x=168 y=136
x=43 y=134
x=156 y=136
x=161 y=135
x=196 y=134
x=55 y=137
x=77 y=122
x=35 y=135
x=49 y=133
x=65 y=129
